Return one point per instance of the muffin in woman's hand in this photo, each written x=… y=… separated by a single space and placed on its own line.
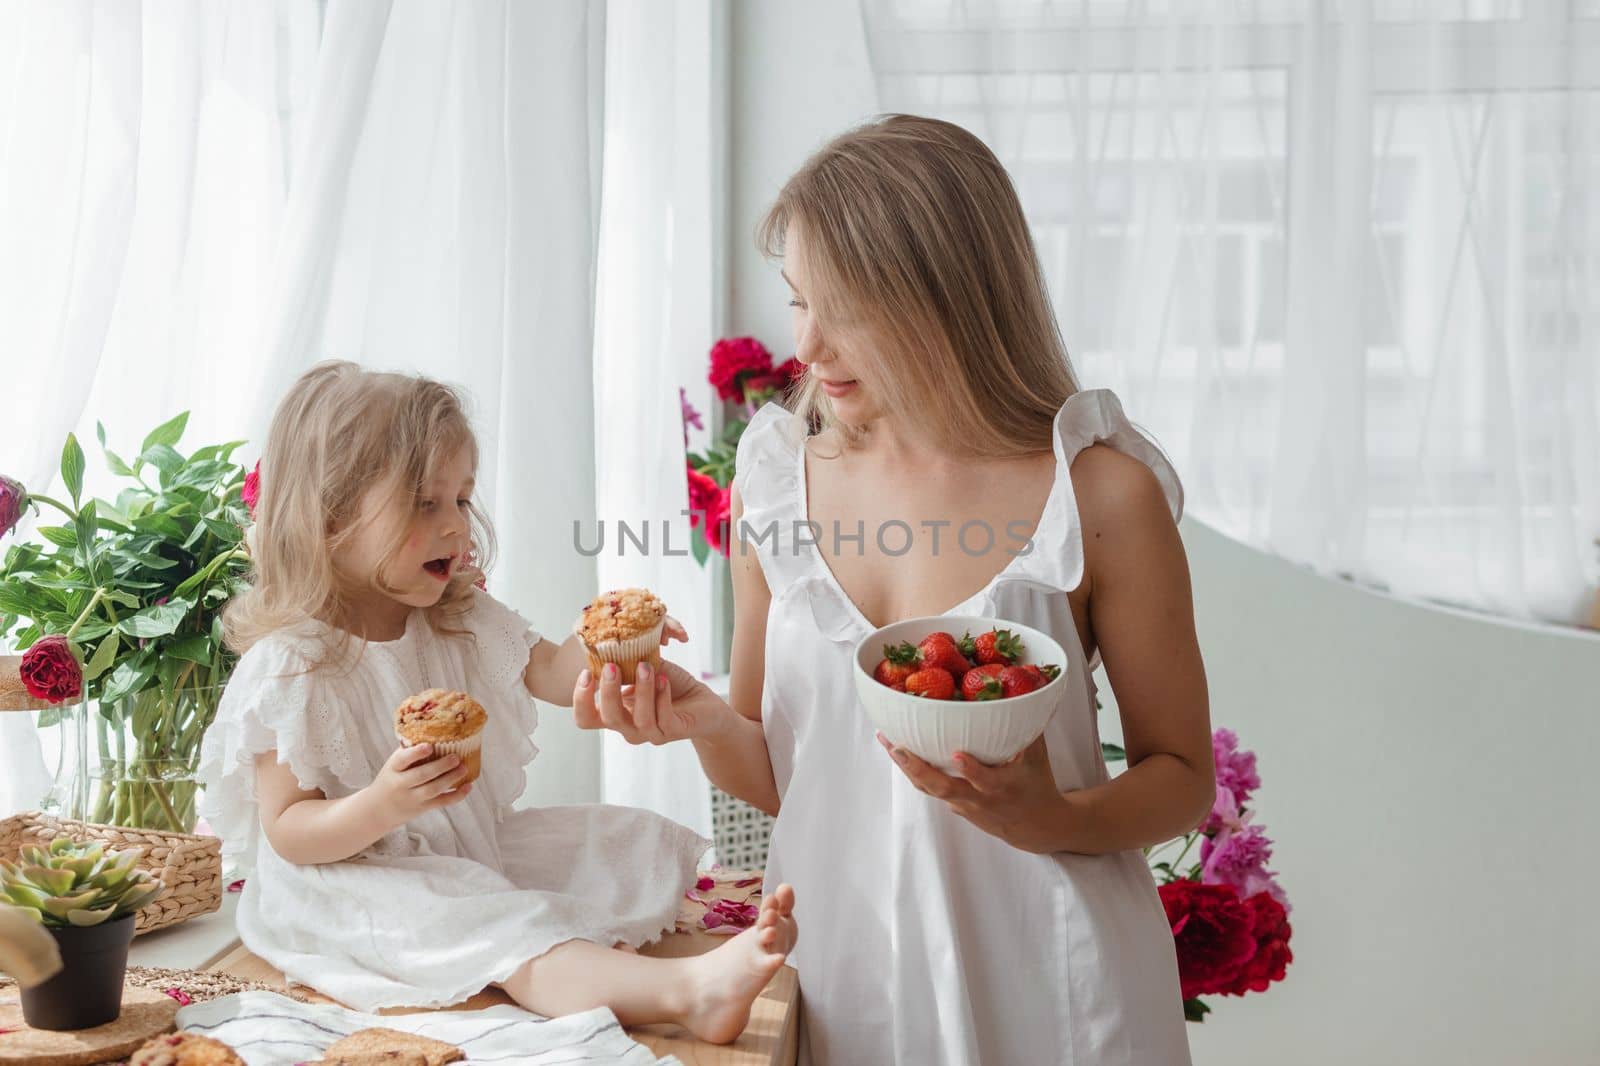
x=622 y=627
x=184 y=1049
x=451 y=721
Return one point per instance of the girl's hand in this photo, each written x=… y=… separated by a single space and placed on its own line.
x=413 y=782
x=673 y=630
x=658 y=708
x=1016 y=801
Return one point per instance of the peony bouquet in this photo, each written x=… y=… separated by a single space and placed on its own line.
x=1229 y=915
x=120 y=604
x=745 y=377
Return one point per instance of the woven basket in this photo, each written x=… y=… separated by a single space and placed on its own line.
x=189 y=865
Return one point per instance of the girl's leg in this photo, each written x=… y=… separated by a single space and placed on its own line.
x=710 y=994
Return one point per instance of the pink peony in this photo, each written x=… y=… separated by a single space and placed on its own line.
x=1236 y=770
x=1239 y=858
x=1225 y=814
x=252 y=488
x=691 y=417
x=13 y=501
x=734 y=358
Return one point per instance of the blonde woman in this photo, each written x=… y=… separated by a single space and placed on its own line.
x=383 y=874
x=1002 y=914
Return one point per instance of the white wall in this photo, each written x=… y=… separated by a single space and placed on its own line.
x=1426 y=774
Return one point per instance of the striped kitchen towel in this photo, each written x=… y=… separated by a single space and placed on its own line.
x=267 y=1029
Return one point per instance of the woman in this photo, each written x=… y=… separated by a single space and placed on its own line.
x=1003 y=913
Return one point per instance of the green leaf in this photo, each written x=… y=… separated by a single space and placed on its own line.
x=72 y=467
x=129 y=677
x=60 y=536
x=156 y=621
x=1195 y=1010
x=167 y=433
x=196 y=648
x=100 y=432
x=117 y=465
x=103 y=658
x=163 y=458
x=1113 y=752
x=699 y=547
x=14 y=599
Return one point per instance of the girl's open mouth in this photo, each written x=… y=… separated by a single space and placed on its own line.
x=439 y=568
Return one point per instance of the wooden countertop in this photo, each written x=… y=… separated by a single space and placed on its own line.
x=771 y=1038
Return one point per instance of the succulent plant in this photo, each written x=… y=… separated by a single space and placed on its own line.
x=73 y=883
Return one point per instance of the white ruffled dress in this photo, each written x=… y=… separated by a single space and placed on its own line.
x=461 y=896
x=924 y=939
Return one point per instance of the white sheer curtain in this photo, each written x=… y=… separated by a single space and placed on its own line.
x=200 y=200
x=658 y=313
x=1341 y=257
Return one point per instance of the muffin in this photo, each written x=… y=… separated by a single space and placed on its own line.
x=184 y=1049
x=622 y=627
x=390 y=1047
x=451 y=721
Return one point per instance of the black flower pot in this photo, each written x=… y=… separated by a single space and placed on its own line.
x=88 y=990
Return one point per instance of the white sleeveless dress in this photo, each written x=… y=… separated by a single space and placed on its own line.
x=460 y=896
x=923 y=939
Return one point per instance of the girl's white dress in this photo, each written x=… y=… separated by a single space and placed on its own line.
x=461 y=896
x=924 y=939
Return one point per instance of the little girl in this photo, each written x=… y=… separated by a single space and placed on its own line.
x=374 y=877
x=999 y=914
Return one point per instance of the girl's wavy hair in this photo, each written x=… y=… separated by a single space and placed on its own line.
x=919 y=263
x=341 y=434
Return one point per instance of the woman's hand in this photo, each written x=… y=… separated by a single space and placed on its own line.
x=413 y=782
x=1016 y=801
x=661 y=706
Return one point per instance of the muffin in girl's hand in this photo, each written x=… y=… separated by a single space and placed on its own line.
x=451 y=721
x=185 y=1049
x=622 y=627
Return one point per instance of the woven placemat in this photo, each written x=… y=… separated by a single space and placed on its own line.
x=145 y=1013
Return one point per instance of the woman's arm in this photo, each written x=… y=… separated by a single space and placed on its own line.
x=736 y=758
x=1141 y=616
x=675 y=706
x=1141 y=613
x=305 y=827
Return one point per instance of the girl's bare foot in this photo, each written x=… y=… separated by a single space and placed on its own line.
x=726 y=981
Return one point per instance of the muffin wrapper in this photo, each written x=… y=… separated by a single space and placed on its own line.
x=627 y=654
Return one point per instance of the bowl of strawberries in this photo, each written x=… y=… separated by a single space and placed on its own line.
x=949 y=683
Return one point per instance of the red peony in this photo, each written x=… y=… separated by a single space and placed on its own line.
x=705 y=497
x=761 y=386
x=13 y=501
x=252 y=488
x=732 y=359
x=1215 y=935
x=718 y=526
x=50 y=670
x=1271 y=960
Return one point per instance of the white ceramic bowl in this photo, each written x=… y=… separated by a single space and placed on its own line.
x=991 y=731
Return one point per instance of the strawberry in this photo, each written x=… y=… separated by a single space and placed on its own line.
x=898 y=663
x=996 y=646
x=1019 y=680
x=1046 y=673
x=932 y=683
x=982 y=682
x=939 y=649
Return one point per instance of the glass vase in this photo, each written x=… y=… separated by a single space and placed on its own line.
x=149 y=749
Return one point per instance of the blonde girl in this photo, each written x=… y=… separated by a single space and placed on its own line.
x=377 y=875
x=1001 y=914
